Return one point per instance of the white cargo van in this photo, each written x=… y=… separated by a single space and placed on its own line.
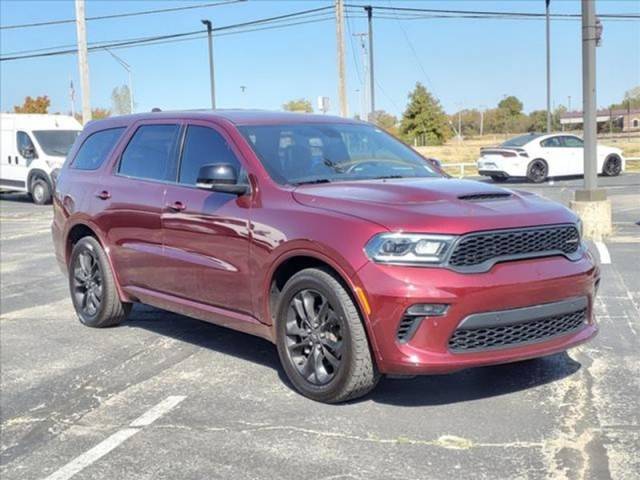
x=32 y=146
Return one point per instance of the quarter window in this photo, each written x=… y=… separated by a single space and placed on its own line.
x=150 y=153
x=203 y=146
x=96 y=148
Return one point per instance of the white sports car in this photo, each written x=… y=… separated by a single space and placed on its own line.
x=538 y=156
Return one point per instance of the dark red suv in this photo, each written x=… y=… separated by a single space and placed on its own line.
x=324 y=235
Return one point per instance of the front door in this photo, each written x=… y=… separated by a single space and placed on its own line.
x=206 y=234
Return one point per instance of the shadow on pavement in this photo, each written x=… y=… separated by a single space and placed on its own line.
x=472 y=384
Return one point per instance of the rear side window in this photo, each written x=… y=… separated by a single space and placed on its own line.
x=96 y=148
x=204 y=146
x=150 y=153
x=572 y=142
x=552 y=142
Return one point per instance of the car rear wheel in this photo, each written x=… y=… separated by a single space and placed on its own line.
x=321 y=340
x=537 y=171
x=612 y=166
x=93 y=290
x=40 y=191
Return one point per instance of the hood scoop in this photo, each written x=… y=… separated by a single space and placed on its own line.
x=480 y=197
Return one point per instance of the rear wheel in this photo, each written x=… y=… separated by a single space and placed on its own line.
x=40 y=191
x=93 y=290
x=321 y=340
x=612 y=166
x=537 y=171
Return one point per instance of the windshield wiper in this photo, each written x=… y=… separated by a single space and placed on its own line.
x=385 y=177
x=310 y=182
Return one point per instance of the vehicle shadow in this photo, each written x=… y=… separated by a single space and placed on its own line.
x=472 y=384
x=17 y=197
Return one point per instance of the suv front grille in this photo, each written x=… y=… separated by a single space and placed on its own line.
x=477 y=248
x=505 y=336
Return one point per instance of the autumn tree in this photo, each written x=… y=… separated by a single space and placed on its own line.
x=34 y=105
x=299 y=105
x=384 y=120
x=424 y=121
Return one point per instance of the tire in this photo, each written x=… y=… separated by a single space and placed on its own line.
x=92 y=287
x=537 y=171
x=498 y=179
x=309 y=354
x=40 y=191
x=612 y=166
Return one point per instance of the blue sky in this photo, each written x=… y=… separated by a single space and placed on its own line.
x=468 y=63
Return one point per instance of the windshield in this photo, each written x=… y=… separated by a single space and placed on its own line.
x=56 y=143
x=329 y=152
x=521 y=140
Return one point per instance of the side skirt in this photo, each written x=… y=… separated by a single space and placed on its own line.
x=208 y=313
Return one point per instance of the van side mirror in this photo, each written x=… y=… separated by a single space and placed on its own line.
x=220 y=177
x=28 y=152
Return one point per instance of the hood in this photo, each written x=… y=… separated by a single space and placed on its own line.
x=439 y=205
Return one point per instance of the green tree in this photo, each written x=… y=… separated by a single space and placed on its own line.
x=512 y=105
x=537 y=121
x=424 y=120
x=121 y=100
x=299 y=105
x=631 y=100
x=34 y=105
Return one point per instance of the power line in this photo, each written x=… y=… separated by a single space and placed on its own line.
x=150 y=40
x=118 y=15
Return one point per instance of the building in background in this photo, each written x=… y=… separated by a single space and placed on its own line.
x=625 y=120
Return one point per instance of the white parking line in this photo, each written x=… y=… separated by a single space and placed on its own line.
x=603 y=251
x=104 y=447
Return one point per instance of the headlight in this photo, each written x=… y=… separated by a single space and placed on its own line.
x=409 y=248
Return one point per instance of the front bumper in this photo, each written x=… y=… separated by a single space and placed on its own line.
x=390 y=290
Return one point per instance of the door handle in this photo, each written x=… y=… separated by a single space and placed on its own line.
x=103 y=195
x=176 y=206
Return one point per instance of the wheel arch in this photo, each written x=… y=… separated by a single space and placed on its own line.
x=291 y=263
x=80 y=230
x=38 y=173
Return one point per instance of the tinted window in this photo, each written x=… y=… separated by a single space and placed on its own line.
x=96 y=148
x=150 y=153
x=573 y=142
x=56 y=143
x=521 y=140
x=552 y=142
x=203 y=146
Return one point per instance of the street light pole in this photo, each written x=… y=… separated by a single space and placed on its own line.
x=83 y=61
x=548 y=68
x=211 y=72
x=127 y=67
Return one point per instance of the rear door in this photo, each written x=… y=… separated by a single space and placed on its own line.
x=130 y=201
x=9 y=177
x=551 y=149
x=575 y=154
x=206 y=234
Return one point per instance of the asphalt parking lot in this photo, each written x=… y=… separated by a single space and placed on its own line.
x=164 y=396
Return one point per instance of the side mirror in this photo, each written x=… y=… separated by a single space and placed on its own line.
x=28 y=152
x=220 y=177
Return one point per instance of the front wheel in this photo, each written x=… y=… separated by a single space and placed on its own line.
x=93 y=290
x=612 y=166
x=537 y=171
x=321 y=340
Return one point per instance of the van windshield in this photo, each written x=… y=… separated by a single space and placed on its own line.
x=332 y=152
x=56 y=143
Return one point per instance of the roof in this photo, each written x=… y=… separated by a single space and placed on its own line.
x=38 y=121
x=237 y=117
x=602 y=113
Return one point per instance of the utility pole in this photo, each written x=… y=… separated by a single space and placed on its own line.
x=127 y=67
x=569 y=107
x=342 y=83
x=591 y=203
x=548 y=68
x=83 y=61
x=366 y=89
x=481 y=121
x=211 y=73
x=372 y=87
